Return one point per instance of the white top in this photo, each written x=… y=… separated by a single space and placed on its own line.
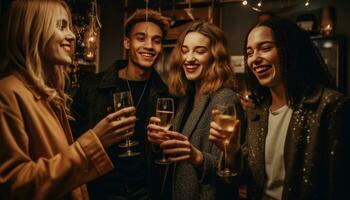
x=274 y=150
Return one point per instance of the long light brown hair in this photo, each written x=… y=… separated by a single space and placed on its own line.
x=219 y=74
x=27 y=29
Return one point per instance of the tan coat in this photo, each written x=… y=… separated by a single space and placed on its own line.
x=38 y=158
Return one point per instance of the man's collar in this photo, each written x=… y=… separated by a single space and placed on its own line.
x=110 y=77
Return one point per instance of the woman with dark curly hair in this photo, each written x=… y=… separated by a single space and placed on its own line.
x=295 y=140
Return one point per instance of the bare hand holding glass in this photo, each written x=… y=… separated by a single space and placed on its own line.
x=112 y=129
x=161 y=123
x=223 y=131
x=165 y=112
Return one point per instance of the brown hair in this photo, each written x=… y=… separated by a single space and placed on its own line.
x=219 y=74
x=152 y=16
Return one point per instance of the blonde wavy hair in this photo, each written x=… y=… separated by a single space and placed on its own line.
x=27 y=29
x=219 y=74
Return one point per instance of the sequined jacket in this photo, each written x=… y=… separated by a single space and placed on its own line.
x=315 y=153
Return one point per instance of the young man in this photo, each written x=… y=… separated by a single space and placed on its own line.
x=133 y=177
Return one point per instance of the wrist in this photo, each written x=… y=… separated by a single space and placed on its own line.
x=198 y=159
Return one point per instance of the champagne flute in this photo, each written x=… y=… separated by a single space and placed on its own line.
x=123 y=100
x=165 y=112
x=226 y=118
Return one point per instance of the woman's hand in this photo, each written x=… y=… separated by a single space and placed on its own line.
x=116 y=126
x=155 y=133
x=219 y=136
x=178 y=148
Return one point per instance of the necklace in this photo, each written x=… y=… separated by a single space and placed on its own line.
x=143 y=90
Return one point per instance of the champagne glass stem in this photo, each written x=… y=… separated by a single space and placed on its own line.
x=163 y=160
x=163 y=156
x=128 y=144
x=225 y=156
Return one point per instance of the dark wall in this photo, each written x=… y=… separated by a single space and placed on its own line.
x=342 y=15
x=111 y=33
x=342 y=9
x=236 y=21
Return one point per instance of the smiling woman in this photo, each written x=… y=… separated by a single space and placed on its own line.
x=298 y=121
x=202 y=77
x=196 y=54
x=262 y=58
x=38 y=157
x=60 y=48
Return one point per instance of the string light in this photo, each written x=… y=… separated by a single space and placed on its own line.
x=245 y=2
x=146 y=28
x=260 y=2
x=307 y=3
x=189 y=10
x=91 y=34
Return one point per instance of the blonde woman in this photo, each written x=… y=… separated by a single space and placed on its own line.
x=201 y=76
x=38 y=157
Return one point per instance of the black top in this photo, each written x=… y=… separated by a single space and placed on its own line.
x=94 y=101
x=132 y=169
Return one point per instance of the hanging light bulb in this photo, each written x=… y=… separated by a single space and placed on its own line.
x=147 y=4
x=327 y=21
x=245 y=2
x=259 y=4
x=307 y=3
x=90 y=40
x=91 y=36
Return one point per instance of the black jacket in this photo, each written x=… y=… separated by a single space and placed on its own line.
x=94 y=100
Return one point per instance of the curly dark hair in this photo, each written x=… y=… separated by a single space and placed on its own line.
x=302 y=66
x=152 y=16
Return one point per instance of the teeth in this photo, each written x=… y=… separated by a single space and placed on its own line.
x=67 y=48
x=261 y=68
x=147 y=54
x=191 y=66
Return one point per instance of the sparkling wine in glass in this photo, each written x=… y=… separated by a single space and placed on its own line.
x=226 y=118
x=165 y=112
x=123 y=100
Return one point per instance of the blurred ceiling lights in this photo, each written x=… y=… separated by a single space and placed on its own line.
x=274 y=5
